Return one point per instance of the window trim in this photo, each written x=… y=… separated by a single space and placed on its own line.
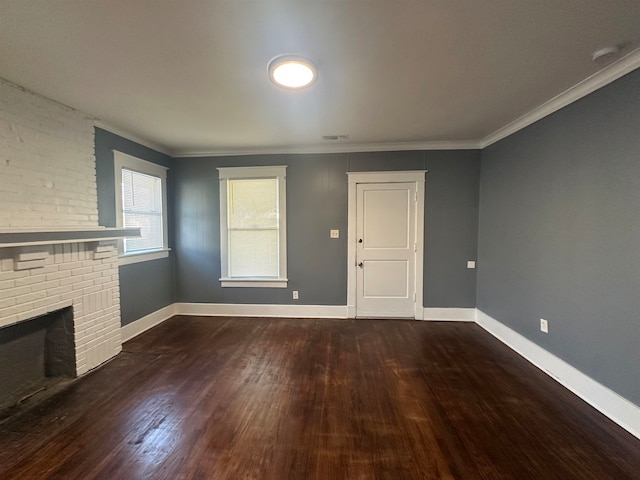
x=122 y=160
x=248 y=173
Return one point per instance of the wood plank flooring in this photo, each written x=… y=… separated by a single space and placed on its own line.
x=239 y=398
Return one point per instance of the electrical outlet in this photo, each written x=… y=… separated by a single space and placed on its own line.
x=295 y=294
x=334 y=234
x=544 y=325
x=471 y=264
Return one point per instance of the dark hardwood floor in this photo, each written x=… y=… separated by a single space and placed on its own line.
x=237 y=398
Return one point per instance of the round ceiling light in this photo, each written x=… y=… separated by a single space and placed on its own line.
x=292 y=72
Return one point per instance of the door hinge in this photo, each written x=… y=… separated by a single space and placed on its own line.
x=414 y=298
x=415 y=247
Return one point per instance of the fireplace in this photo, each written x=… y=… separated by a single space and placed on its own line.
x=35 y=354
x=59 y=305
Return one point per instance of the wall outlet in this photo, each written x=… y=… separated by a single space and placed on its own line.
x=295 y=294
x=471 y=264
x=544 y=325
x=334 y=233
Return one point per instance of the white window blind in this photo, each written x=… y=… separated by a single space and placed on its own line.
x=253 y=216
x=142 y=207
x=253 y=229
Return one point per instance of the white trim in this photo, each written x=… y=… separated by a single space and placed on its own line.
x=254 y=310
x=143 y=324
x=620 y=410
x=598 y=80
x=271 y=171
x=253 y=283
x=138 y=257
x=617 y=408
x=401 y=176
x=145 y=143
x=138 y=164
x=449 y=314
x=590 y=84
x=333 y=148
x=278 y=172
x=123 y=160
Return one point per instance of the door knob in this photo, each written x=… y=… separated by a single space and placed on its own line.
x=360 y=241
x=361 y=264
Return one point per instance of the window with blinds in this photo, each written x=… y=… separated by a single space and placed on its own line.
x=142 y=207
x=141 y=202
x=253 y=226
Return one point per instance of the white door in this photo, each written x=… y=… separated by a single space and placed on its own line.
x=386 y=250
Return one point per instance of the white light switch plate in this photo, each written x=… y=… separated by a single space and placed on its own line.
x=544 y=325
x=471 y=264
x=335 y=234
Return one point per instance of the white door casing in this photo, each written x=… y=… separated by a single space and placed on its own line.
x=385 y=270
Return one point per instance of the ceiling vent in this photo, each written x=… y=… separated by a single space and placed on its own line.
x=335 y=137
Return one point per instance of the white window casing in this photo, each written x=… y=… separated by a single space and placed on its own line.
x=141 y=197
x=253 y=226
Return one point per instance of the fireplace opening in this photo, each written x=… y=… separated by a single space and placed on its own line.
x=36 y=354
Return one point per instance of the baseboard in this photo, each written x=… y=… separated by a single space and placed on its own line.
x=143 y=324
x=251 y=310
x=617 y=408
x=449 y=314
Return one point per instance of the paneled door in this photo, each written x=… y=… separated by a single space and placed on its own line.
x=386 y=250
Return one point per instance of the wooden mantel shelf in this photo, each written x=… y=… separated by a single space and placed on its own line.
x=51 y=237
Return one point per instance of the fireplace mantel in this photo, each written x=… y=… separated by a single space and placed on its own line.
x=43 y=270
x=9 y=238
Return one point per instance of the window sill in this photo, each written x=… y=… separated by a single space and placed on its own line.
x=138 y=257
x=254 y=282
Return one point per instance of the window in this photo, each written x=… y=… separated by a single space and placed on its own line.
x=253 y=233
x=141 y=199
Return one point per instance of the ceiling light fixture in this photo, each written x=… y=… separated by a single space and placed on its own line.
x=293 y=72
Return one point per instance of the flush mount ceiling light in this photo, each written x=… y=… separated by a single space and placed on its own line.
x=289 y=71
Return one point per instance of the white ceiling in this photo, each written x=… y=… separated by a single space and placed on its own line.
x=191 y=76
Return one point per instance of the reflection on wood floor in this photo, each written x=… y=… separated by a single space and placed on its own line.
x=259 y=398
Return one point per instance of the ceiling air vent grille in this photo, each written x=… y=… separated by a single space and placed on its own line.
x=335 y=137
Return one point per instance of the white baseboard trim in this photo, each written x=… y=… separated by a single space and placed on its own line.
x=617 y=408
x=143 y=324
x=252 y=310
x=449 y=314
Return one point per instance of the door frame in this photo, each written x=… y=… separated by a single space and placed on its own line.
x=408 y=176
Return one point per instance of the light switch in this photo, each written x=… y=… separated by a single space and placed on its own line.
x=335 y=234
x=471 y=264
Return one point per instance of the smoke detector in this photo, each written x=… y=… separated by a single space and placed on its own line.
x=335 y=137
x=605 y=52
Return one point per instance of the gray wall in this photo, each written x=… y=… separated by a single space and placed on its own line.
x=147 y=286
x=560 y=232
x=317 y=202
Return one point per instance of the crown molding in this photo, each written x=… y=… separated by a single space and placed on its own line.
x=144 y=142
x=335 y=148
x=603 y=77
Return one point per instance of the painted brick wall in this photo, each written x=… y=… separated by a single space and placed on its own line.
x=48 y=180
x=36 y=280
x=47 y=164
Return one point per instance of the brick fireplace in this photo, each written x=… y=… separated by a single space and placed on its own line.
x=54 y=256
x=39 y=279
